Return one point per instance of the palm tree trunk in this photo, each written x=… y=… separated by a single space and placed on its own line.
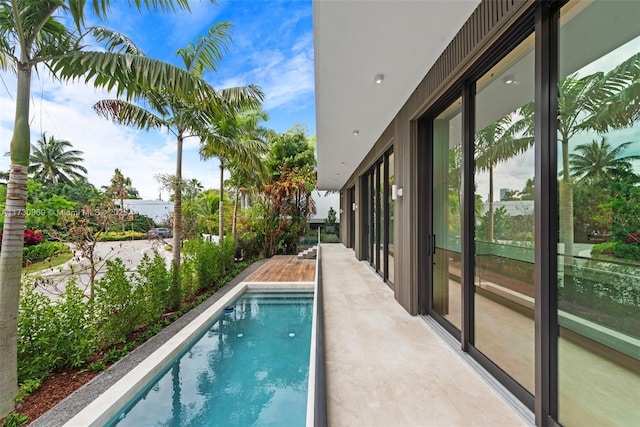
x=235 y=215
x=491 y=220
x=221 y=206
x=12 y=244
x=566 y=203
x=176 y=294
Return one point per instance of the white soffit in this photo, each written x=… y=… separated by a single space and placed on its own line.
x=354 y=41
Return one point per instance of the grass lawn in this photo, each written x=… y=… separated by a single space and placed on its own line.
x=55 y=260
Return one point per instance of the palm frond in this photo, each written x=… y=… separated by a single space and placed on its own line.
x=128 y=114
x=130 y=75
x=207 y=51
x=116 y=41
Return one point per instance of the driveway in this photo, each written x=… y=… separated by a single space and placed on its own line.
x=52 y=281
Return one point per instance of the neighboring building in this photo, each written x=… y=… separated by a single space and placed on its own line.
x=414 y=100
x=157 y=210
x=324 y=200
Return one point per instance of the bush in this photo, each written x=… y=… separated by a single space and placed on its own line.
x=118 y=306
x=31 y=254
x=630 y=251
x=114 y=236
x=52 y=334
x=205 y=260
x=153 y=278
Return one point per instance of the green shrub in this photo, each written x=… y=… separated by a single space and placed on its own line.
x=26 y=388
x=42 y=251
x=52 y=334
x=118 y=306
x=153 y=278
x=15 y=419
x=112 y=236
x=205 y=257
x=624 y=250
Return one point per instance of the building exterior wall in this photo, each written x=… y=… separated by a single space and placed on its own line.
x=478 y=46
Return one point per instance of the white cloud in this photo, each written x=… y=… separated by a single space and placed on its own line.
x=67 y=115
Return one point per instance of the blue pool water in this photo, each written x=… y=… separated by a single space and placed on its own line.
x=250 y=368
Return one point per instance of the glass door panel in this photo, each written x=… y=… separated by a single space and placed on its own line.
x=504 y=215
x=599 y=204
x=446 y=198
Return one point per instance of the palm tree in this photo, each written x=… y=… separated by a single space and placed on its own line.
x=33 y=32
x=192 y=188
x=119 y=188
x=184 y=117
x=500 y=141
x=52 y=162
x=599 y=102
x=238 y=140
x=598 y=163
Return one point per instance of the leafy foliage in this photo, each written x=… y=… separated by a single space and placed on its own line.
x=117 y=305
x=52 y=334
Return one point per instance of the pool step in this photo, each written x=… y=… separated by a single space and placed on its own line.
x=310 y=253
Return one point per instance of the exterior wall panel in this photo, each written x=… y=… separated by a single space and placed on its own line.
x=488 y=22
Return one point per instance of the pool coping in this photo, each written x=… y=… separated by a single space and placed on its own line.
x=79 y=399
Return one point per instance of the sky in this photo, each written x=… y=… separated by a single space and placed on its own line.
x=271 y=46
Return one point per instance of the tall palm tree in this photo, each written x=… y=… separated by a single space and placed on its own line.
x=499 y=141
x=33 y=32
x=119 y=189
x=52 y=161
x=599 y=102
x=598 y=163
x=239 y=140
x=184 y=117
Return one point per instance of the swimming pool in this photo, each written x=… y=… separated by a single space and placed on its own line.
x=243 y=367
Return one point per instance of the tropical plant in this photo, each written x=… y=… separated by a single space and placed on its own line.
x=239 y=141
x=499 y=141
x=52 y=161
x=598 y=163
x=183 y=116
x=599 y=102
x=286 y=198
x=120 y=188
x=33 y=32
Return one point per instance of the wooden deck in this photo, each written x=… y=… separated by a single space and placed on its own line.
x=285 y=268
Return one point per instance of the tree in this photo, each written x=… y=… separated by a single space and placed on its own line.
x=599 y=102
x=501 y=140
x=287 y=196
x=119 y=188
x=183 y=116
x=53 y=162
x=239 y=140
x=192 y=188
x=599 y=164
x=33 y=32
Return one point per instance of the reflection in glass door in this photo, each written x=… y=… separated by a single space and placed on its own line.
x=446 y=287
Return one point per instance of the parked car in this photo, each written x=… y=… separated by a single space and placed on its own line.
x=159 y=233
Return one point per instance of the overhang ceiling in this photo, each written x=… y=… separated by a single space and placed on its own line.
x=356 y=40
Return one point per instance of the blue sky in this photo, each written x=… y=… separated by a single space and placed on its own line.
x=272 y=47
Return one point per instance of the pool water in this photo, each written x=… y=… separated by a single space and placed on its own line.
x=249 y=368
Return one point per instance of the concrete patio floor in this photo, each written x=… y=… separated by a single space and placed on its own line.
x=385 y=367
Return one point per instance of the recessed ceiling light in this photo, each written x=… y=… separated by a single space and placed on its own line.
x=356 y=132
x=341 y=163
x=510 y=79
x=378 y=78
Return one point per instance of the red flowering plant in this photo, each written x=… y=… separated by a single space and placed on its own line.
x=31 y=238
x=633 y=238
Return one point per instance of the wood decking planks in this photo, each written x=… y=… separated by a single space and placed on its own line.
x=285 y=268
